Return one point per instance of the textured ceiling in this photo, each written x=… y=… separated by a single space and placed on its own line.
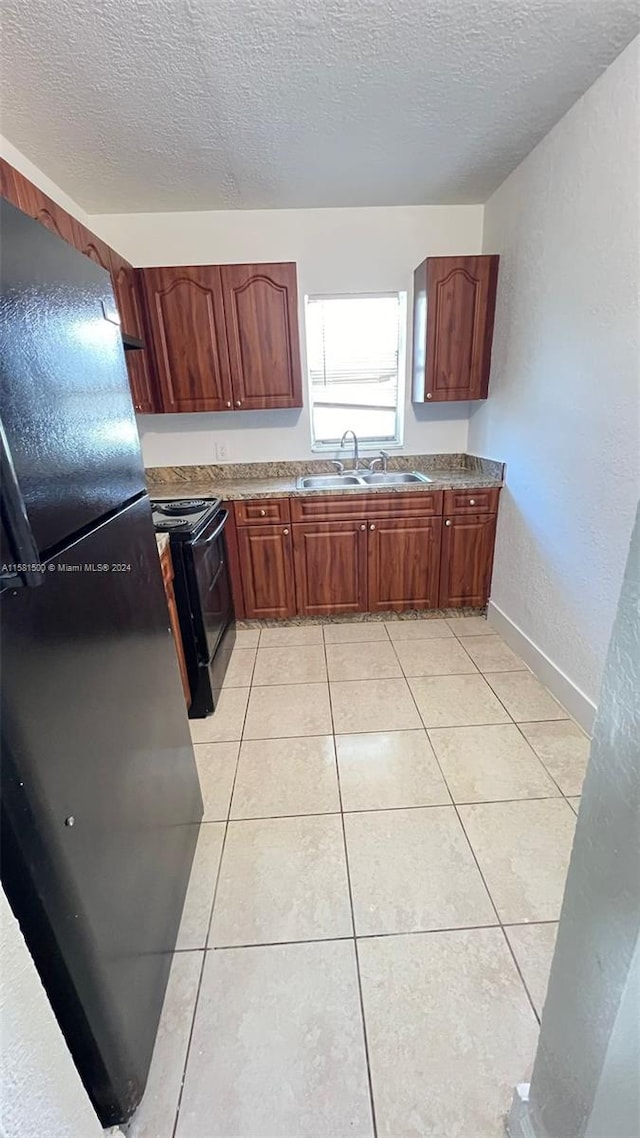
x=142 y=105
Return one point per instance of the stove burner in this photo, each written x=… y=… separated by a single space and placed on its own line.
x=183 y=506
x=164 y=524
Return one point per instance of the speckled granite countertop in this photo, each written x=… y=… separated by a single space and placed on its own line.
x=276 y=480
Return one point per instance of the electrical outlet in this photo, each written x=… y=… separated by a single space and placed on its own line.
x=223 y=452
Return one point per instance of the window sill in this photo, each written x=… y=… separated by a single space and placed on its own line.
x=363 y=448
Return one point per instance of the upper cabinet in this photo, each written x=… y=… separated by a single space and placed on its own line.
x=453 y=312
x=22 y=193
x=126 y=290
x=225 y=337
x=261 y=317
x=10 y=183
x=218 y=337
x=127 y=298
x=93 y=247
x=186 y=322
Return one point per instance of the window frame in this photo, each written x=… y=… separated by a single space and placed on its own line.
x=365 y=444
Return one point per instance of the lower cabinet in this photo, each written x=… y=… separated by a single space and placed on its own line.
x=466 y=560
x=393 y=554
x=403 y=564
x=264 y=552
x=331 y=567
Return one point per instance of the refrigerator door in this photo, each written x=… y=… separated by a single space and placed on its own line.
x=100 y=796
x=66 y=406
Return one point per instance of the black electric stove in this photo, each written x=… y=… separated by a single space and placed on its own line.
x=195 y=528
x=183 y=516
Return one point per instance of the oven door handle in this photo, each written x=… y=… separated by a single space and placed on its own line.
x=216 y=533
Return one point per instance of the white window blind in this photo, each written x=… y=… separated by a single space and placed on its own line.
x=355 y=353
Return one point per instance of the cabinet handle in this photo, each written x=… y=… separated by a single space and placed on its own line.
x=238 y=403
x=228 y=402
x=448 y=522
x=363 y=527
x=285 y=532
x=429 y=395
x=372 y=527
x=472 y=501
x=263 y=513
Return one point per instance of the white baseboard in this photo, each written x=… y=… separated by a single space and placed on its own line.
x=576 y=702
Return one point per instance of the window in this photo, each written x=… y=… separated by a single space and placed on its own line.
x=355 y=356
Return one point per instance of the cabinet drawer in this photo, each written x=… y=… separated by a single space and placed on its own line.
x=271 y=511
x=471 y=501
x=345 y=507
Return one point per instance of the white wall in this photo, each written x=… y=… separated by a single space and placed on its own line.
x=564 y=400
x=40 y=1089
x=337 y=250
x=616 y=1108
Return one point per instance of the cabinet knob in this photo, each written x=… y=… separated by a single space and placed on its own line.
x=238 y=403
x=429 y=395
x=285 y=531
x=372 y=526
x=472 y=501
x=263 y=513
x=448 y=522
x=228 y=402
x=363 y=527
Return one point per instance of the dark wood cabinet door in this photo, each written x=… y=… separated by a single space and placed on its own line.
x=92 y=246
x=454 y=308
x=267 y=571
x=261 y=314
x=330 y=561
x=13 y=185
x=185 y=317
x=33 y=201
x=404 y=564
x=124 y=282
x=467 y=560
x=126 y=291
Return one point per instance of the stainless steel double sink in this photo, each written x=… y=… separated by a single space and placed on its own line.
x=349 y=478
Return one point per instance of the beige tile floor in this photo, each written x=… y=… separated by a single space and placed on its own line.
x=372 y=911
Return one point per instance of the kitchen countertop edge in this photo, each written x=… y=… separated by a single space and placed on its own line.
x=231 y=490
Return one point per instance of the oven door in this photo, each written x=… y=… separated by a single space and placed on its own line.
x=210 y=594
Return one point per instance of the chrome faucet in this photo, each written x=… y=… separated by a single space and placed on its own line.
x=356 y=452
x=380 y=461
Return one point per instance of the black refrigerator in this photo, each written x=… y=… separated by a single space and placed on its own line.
x=100 y=797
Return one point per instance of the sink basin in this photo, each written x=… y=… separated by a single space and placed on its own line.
x=339 y=481
x=329 y=481
x=392 y=478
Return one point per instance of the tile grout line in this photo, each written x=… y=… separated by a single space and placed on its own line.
x=506 y=938
x=522 y=722
x=315 y=735
x=353 y=919
x=371 y=936
x=209 y=923
x=477 y=863
x=517 y=725
x=553 y=779
x=384 y=809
